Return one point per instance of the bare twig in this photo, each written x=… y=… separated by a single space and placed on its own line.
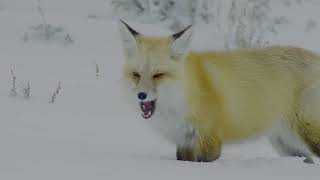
x=41 y=12
x=97 y=71
x=55 y=93
x=13 y=91
x=26 y=91
x=139 y=5
x=43 y=18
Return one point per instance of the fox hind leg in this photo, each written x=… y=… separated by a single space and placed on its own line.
x=310 y=132
x=285 y=149
x=309 y=118
x=288 y=143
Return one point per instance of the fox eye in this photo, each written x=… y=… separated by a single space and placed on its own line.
x=135 y=75
x=158 y=75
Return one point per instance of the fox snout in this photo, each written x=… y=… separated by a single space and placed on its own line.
x=147 y=106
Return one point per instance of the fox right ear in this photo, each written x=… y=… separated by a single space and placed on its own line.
x=181 y=42
x=129 y=38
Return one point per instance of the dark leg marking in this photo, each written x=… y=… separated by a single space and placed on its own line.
x=184 y=154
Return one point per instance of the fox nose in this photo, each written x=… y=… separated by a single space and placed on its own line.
x=142 y=95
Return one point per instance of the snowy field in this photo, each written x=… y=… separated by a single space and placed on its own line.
x=89 y=132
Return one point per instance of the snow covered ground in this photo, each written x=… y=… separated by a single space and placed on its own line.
x=89 y=132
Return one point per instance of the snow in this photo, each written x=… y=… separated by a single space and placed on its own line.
x=90 y=132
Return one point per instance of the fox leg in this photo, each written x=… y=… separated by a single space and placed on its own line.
x=185 y=149
x=311 y=135
x=285 y=149
x=208 y=149
x=204 y=149
x=308 y=124
x=309 y=118
x=288 y=143
x=184 y=154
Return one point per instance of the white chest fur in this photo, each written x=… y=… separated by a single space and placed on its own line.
x=169 y=119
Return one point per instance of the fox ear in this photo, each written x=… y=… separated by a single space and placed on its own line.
x=181 y=42
x=129 y=38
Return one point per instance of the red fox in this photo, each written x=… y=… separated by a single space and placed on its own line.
x=202 y=100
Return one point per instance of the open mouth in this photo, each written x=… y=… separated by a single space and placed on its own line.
x=147 y=108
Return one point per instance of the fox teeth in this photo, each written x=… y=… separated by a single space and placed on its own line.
x=148 y=114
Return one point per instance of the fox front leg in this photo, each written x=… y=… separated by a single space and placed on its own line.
x=185 y=154
x=208 y=149
x=204 y=150
x=185 y=151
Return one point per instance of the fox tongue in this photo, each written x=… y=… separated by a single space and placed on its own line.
x=146 y=106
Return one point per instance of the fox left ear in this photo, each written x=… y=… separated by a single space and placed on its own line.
x=181 y=43
x=129 y=38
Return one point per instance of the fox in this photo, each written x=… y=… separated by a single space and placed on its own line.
x=202 y=100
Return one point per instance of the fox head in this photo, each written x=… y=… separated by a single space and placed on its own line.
x=153 y=65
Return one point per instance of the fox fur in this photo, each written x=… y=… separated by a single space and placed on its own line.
x=206 y=99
